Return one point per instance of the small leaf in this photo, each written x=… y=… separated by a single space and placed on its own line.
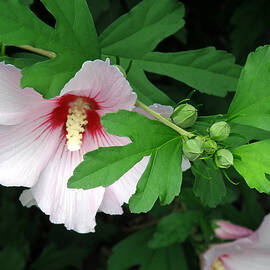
x=133 y=251
x=174 y=228
x=209 y=184
x=57 y=259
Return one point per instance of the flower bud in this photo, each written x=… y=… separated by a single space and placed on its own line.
x=220 y=131
x=210 y=146
x=224 y=158
x=192 y=149
x=228 y=231
x=185 y=115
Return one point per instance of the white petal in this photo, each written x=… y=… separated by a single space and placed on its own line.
x=263 y=233
x=185 y=164
x=103 y=82
x=26 y=148
x=255 y=259
x=15 y=103
x=121 y=191
x=76 y=208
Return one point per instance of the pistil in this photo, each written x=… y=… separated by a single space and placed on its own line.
x=76 y=123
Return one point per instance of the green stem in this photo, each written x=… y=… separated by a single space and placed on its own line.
x=164 y=120
x=46 y=53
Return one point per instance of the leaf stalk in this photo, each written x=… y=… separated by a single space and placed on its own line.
x=164 y=120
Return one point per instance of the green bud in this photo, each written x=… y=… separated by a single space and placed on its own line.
x=224 y=158
x=192 y=149
x=185 y=115
x=210 y=146
x=220 y=131
x=122 y=70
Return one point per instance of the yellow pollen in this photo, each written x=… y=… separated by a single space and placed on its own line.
x=217 y=265
x=75 y=125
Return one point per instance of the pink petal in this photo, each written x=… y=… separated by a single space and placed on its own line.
x=262 y=234
x=76 y=208
x=163 y=110
x=121 y=191
x=227 y=230
x=15 y=102
x=255 y=259
x=237 y=254
x=104 y=83
x=26 y=148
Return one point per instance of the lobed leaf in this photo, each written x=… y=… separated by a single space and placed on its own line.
x=163 y=175
x=140 y=30
x=73 y=40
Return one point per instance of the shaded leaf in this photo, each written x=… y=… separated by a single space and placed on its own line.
x=209 y=184
x=174 y=228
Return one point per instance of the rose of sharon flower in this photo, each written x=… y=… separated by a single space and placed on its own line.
x=250 y=252
x=42 y=141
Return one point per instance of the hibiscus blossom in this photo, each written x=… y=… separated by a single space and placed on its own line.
x=42 y=141
x=249 y=252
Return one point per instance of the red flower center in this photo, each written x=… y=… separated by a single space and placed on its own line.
x=76 y=115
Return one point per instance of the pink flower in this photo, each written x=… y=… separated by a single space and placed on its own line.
x=228 y=231
x=42 y=141
x=166 y=112
x=251 y=252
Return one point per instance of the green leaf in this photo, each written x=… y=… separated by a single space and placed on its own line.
x=133 y=251
x=253 y=164
x=162 y=177
x=22 y=60
x=244 y=27
x=11 y=258
x=146 y=91
x=251 y=103
x=209 y=184
x=174 y=228
x=140 y=30
x=55 y=259
x=208 y=70
x=73 y=39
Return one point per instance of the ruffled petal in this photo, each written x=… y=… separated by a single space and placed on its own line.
x=15 y=102
x=104 y=83
x=75 y=208
x=26 y=148
x=121 y=191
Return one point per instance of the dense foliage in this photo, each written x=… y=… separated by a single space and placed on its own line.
x=211 y=55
